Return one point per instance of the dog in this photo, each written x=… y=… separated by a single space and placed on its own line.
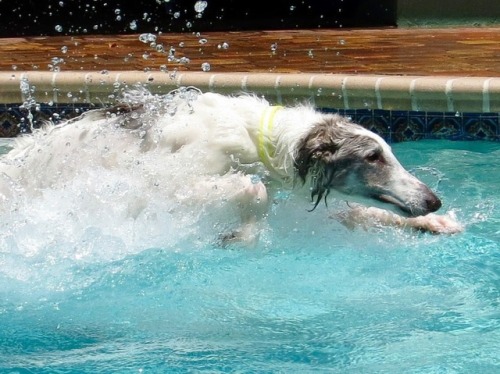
x=210 y=147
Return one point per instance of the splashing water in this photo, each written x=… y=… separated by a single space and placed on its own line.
x=103 y=272
x=29 y=104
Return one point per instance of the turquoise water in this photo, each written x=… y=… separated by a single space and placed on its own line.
x=99 y=294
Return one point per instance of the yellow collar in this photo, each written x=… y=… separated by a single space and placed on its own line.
x=264 y=141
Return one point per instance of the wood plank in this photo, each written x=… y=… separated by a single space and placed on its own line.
x=461 y=52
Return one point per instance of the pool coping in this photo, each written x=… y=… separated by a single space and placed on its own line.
x=341 y=91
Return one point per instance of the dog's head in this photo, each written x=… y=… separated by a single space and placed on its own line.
x=340 y=155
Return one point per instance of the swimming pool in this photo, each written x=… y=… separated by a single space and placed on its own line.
x=95 y=293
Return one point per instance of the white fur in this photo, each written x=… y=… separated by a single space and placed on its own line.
x=196 y=148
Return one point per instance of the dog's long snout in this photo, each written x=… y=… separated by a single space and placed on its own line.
x=432 y=203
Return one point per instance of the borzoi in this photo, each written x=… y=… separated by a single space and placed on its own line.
x=229 y=148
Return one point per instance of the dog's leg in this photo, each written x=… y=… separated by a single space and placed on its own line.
x=252 y=203
x=247 y=195
x=366 y=217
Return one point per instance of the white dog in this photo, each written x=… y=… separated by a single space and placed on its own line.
x=230 y=148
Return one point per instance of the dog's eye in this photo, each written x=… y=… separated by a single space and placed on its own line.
x=374 y=156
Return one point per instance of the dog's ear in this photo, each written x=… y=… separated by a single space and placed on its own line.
x=316 y=155
x=316 y=150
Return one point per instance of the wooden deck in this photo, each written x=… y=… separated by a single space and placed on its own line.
x=468 y=52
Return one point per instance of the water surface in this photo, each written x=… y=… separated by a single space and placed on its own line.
x=83 y=289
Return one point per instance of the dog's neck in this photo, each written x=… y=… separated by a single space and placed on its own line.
x=280 y=130
x=265 y=147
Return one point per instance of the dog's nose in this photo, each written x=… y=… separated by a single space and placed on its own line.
x=433 y=203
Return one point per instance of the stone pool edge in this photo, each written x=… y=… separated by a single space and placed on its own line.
x=340 y=91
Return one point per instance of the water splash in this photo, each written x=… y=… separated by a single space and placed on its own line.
x=65 y=225
x=29 y=102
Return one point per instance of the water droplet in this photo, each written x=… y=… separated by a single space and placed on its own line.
x=56 y=60
x=64 y=49
x=255 y=179
x=128 y=57
x=342 y=42
x=133 y=25
x=205 y=66
x=274 y=47
x=203 y=41
x=177 y=14
x=200 y=6
x=147 y=38
x=223 y=46
x=24 y=86
x=58 y=28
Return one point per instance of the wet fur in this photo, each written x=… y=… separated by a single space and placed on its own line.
x=216 y=138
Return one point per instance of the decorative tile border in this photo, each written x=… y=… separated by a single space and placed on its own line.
x=392 y=125
x=397 y=126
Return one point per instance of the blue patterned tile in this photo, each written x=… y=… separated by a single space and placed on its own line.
x=418 y=120
x=484 y=129
x=481 y=127
x=445 y=127
x=8 y=125
x=401 y=129
x=364 y=118
x=393 y=126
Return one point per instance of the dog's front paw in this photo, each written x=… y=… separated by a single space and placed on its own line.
x=360 y=216
x=245 y=236
x=436 y=224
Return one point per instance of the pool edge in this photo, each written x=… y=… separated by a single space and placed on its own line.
x=341 y=91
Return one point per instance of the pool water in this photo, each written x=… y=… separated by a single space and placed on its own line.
x=100 y=294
